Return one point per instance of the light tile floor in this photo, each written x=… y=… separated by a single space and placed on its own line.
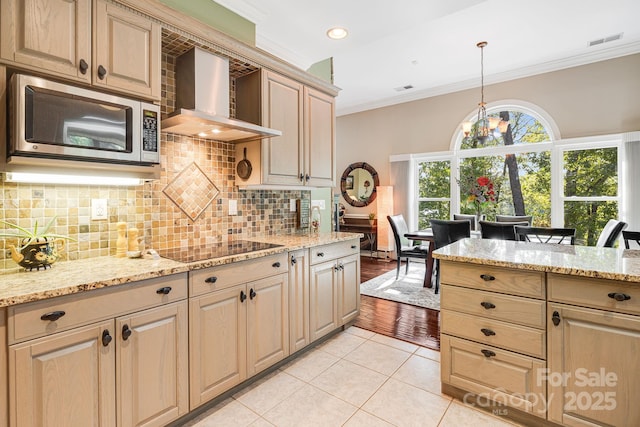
x=357 y=378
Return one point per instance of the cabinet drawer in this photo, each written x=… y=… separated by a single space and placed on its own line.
x=520 y=310
x=494 y=332
x=26 y=322
x=495 y=279
x=224 y=276
x=334 y=250
x=503 y=376
x=596 y=293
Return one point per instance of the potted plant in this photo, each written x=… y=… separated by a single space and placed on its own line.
x=37 y=248
x=372 y=218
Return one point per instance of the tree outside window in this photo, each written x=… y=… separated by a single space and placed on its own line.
x=434 y=186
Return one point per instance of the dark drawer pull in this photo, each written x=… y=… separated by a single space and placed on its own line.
x=164 y=291
x=212 y=279
x=243 y=296
x=293 y=260
x=353 y=246
x=83 y=66
x=276 y=264
x=126 y=332
x=488 y=353
x=619 y=297
x=487 y=305
x=487 y=332
x=320 y=254
x=106 y=337
x=53 y=316
x=252 y=293
x=102 y=72
x=487 y=277
x=555 y=318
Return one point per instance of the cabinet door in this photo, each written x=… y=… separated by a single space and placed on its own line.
x=126 y=51
x=299 y=300
x=152 y=366
x=323 y=299
x=4 y=368
x=594 y=376
x=319 y=138
x=268 y=323
x=282 y=107
x=65 y=379
x=217 y=343
x=52 y=35
x=349 y=288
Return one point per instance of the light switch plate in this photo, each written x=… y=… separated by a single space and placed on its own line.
x=233 y=207
x=319 y=203
x=99 y=209
x=292 y=205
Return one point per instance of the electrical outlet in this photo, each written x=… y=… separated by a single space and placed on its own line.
x=292 y=205
x=99 y=209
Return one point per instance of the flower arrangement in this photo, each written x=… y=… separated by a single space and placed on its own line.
x=480 y=193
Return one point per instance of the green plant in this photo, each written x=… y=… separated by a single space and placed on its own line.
x=26 y=237
x=372 y=215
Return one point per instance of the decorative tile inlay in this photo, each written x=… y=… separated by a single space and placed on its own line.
x=192 y=191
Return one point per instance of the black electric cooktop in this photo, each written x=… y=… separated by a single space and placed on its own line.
x=217 y=250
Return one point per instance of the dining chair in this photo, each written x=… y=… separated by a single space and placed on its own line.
x=499 y=230
x=444 y=233
x=471 y=218
x=515 y=218
x=545 y=234
x=631 y=236
x=405 y=247
x=610 y=233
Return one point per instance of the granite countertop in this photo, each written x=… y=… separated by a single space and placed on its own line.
x=71 y=277
x=587 y=261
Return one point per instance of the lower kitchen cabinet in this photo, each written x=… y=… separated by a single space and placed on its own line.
x=323 y=299
x=298 y=299
x=349 y=288
x=235 y=333
x=4 y=370
x=129 y=369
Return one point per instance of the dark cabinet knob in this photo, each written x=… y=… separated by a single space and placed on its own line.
x=243 y=296
x=252 y=293
x=487 y=305
x=301 y=177
x=164 y=291
x=106 y=337
x=487 y=277
x=487 y=332
x=320 y=254
x=126 y=332
x=306 y=177
x=487 y=353
x=101 y=72
x=53 y=316
x=353 y=246
x=275 y=265
x=212 y=279
x=83 y=66
x=619 y=297
x=555 y=318
x=293 y=260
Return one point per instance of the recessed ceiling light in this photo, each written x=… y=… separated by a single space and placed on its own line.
x=337 y=33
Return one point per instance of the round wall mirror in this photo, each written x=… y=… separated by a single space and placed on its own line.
x=358 y=184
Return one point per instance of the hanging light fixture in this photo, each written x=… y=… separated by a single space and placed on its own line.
x=484 y=125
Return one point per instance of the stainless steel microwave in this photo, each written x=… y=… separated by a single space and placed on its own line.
x=58 y=121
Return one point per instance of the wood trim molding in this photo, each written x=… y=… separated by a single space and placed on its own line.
x=183 y=24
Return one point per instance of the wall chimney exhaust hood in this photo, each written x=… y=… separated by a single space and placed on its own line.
x=202 y=101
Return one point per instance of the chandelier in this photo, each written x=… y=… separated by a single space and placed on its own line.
x=484 y=126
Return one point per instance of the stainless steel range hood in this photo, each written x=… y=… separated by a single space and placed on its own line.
x=202 y=101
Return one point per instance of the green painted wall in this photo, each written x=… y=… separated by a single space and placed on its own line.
x=323 y=70
x=218 y=17
x=325 y=214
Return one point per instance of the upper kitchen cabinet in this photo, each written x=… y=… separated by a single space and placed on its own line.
x=55 y=37
x=305 y=153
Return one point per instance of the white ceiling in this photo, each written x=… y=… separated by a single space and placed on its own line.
x=431 y=44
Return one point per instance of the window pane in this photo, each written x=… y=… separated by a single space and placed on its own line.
x=434 y=179
x=521 y=186
x=589 y=218
x=591 y=173
x=432 y=209
x=523 y=129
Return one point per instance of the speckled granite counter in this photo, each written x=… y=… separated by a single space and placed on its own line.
x=602 y=263
x=77 y=276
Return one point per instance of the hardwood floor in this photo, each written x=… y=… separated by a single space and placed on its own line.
x=406 y=322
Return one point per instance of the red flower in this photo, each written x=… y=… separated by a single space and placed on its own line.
x=483 y=180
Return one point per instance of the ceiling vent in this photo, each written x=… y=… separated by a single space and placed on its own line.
x=403 y=88
x=605 y=39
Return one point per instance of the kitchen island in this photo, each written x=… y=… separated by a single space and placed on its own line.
x=542 y=334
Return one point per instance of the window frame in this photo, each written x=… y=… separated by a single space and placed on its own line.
x=435 y=157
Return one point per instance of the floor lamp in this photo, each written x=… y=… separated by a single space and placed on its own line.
x=384 y=199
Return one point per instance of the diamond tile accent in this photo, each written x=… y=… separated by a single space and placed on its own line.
x=192 y=191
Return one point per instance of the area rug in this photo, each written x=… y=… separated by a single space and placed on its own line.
x=407 y=289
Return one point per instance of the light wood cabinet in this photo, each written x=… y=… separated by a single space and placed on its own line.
x=298 y=299
x=593 y=374
x=126 y=365
x=237 y=330
x=4 y=370
x=97 y=43
x=305 y=152
x=323 y=299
